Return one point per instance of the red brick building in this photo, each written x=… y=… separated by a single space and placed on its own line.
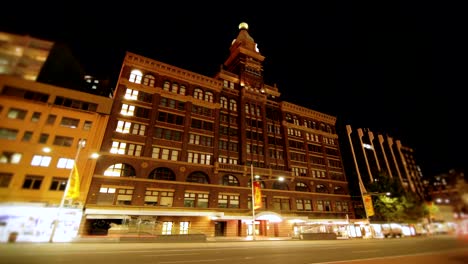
x=181 y=148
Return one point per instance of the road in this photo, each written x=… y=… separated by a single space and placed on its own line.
x=437 y=249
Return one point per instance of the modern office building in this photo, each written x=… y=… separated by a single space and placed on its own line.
x=181 y=150
x=44 y=131
x=23 y=56
x=377 y=153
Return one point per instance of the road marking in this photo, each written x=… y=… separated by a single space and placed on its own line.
x=193 y=261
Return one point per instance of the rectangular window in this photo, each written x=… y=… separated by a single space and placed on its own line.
x=51 y=119
x=5 y=179
x=27 y=136
x=63 y=141
x=167 y=228
x=123 y=126
x=15 y=113
x=184 y=228
x=43 y=138
x=10 y=157
x=118 y=147
x=87 y=125
x=69 y=122
x=58 y=184
x=124 y=196
x=39 y=160
x=9 y=134
x=65 y=163
x=32 y=182
x=35 y=117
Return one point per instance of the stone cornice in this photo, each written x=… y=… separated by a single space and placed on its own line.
x=172 y=71
x=302 y=111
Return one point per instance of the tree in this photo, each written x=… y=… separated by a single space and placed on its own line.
x=399 y=206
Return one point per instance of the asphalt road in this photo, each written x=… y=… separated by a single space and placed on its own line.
x=440 y=250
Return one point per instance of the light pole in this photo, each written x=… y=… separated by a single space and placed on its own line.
x=81 y=144
x=252 y=185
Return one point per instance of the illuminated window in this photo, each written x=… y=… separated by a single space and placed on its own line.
x=138 y=129
x=302 y=187
x=304 y=205
x=228 y=201
x=127 y=110
x=224 y=102
x=230 y=180
x=233 y=105
x=107 y=190
x=120 y=170
x=209 y=97
x=15 y=113
x=166 y=86
x=198 y=93
x=135 y=76
x=134 y=149
x=184 y=227
x=10 y=157
x=159 y=198
x=123 y=127
x=149 y=80
x=182 y=90
x=199 y=200
x=167 y=228
x=281 y=204
x=39 y=160
x=65 y=163
x=124 y=196
x=131 y=94
x=118 y=147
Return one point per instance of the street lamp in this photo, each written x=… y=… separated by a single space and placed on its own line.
x=81 y=144
x=254 y=179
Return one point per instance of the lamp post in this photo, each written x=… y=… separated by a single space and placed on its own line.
x=81 y=144
x=252 y=185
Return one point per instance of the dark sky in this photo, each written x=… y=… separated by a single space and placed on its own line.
x=395 y=67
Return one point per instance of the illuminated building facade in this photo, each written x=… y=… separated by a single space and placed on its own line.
x=177 y=154
x=23 y=56
x=40 y=126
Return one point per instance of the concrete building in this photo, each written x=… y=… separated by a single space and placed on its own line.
x=41 y=127
x=181 y=150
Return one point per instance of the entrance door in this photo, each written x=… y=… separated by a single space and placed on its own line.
x=220 y=228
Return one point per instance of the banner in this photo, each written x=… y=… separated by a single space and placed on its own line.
x=258 y=195
x=73 y=191
x=368 y=205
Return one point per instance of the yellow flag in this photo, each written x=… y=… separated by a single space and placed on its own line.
x=73 y=191
x=258 y=195
x=368 y=205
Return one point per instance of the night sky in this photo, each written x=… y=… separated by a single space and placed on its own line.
x=395 y=67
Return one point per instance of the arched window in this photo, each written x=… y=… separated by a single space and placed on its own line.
x=233 y=105
x=166 y=86
x=135 y=76
x=209 y=97
x=320 y=188
x=198 y=93
x=198 y=177
x=338 y=190
x=120 y=170
x=224 y=103
x=149 y=80
x=288 y=118
x=162 y=173
x=230 y=180
x=280 y=185
x=182 y=90
x=302 y=187
x=175 y=88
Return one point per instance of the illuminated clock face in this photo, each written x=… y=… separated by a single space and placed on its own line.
x=243 y=25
